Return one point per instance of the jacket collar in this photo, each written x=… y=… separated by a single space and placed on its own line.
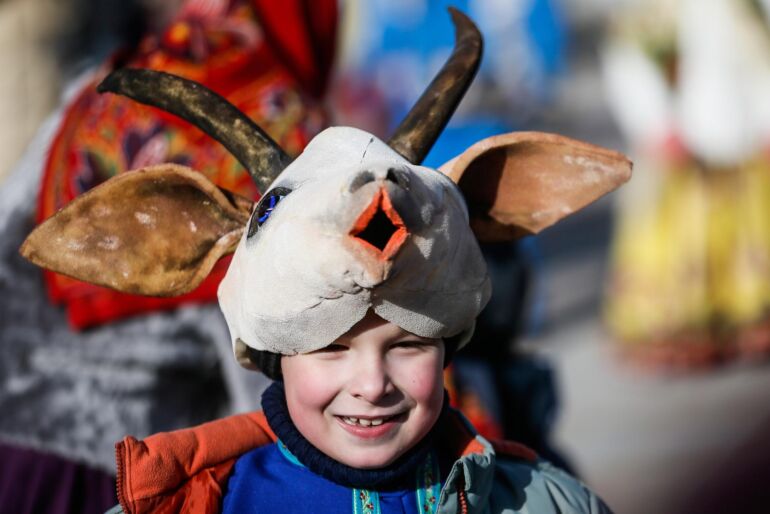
x=471 y=478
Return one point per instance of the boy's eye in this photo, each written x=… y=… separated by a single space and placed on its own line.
x=332 y=348
x=265 y=207
x=409 y=344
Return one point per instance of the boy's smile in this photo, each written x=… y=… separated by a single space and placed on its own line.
x=370 y=396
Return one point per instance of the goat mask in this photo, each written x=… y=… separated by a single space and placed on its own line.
x=358 y=228
x=352 y=224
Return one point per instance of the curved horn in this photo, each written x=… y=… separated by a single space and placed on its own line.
x=262 y=157
x=416 y=134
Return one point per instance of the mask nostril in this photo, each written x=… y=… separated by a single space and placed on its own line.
x=398 y=177
x=361 y=179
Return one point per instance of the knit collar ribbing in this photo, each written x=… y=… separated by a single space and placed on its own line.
x=398 y=475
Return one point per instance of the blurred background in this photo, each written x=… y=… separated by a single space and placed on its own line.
x=629 y=343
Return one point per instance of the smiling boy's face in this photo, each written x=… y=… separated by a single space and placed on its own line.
x=370 y=396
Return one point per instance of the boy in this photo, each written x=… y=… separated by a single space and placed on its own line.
x=354 y=279
x=367 y=416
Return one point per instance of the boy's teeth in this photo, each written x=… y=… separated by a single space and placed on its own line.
x=363 y=422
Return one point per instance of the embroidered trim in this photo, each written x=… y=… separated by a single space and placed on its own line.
x=366 y=502
x=428 y=485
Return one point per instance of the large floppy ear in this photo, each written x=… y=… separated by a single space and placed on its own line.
x=520 y=183
x=155 y=231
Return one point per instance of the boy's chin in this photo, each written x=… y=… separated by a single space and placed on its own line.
x=366 y=456
x=370 y=461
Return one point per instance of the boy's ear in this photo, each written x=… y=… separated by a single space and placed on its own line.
x=520 y=183
x=155 y=231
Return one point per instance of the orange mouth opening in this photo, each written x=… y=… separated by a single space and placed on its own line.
x=380 y=227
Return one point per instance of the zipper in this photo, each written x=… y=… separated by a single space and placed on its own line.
x=462 y=496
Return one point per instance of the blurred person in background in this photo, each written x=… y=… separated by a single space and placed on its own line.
x=81 y=366
x=689 y=83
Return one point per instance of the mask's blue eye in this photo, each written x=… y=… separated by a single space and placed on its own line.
x=265 y=208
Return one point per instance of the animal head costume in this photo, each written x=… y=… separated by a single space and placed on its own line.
x=352 y=224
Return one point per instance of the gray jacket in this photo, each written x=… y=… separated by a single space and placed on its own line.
x=490 y=483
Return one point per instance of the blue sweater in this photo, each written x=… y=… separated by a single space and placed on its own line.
x=271 y=480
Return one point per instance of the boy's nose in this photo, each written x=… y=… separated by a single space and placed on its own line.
x=370 y=380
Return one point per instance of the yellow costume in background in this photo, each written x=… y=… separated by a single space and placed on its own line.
x=690 y=274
